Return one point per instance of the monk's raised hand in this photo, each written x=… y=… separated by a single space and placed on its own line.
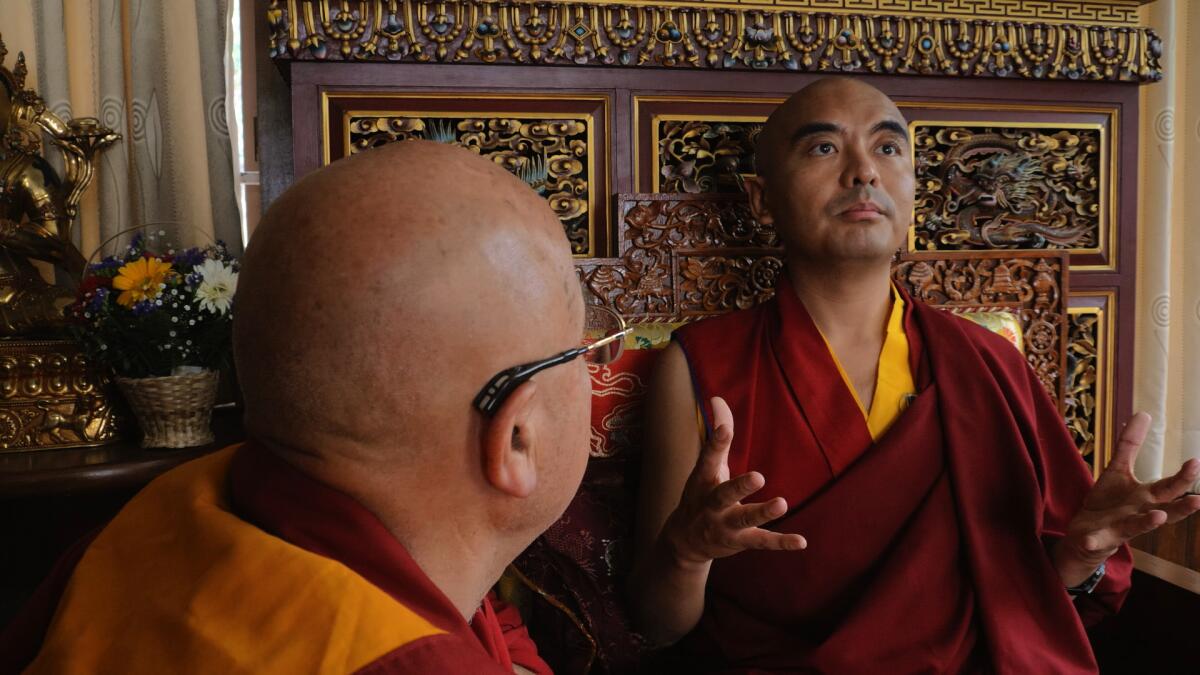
x=1119 y=507
x=711 y=521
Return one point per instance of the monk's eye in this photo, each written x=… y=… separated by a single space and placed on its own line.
x=890 y=149
x=823 y=149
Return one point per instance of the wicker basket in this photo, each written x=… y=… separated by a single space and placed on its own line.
x=173 y=411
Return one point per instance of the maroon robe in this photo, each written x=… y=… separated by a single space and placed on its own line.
x=928 y=550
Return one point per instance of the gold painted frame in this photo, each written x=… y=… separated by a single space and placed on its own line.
x=1075 y=39
x=1108 y=183
x=1103 y=304
x=598 y=204
x=637 y=102
x=655 y=137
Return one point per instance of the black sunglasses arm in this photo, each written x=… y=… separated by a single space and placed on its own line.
x=503 y=384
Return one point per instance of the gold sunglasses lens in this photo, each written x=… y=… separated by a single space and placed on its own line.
x=601 y=323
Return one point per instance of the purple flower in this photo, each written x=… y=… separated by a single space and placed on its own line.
x=108 y=263
x=189 y=258
x=99 y=296
x=137 y=243
x=143 y=308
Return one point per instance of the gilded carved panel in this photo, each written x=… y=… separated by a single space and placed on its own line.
x=1009 y=187
x=549 y=154
x=702 y=155
x=1089 y=385
x=958 y=38
x=1083 y=366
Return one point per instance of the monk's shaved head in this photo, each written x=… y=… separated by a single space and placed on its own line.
x=381 y=292
x=804 y=108
x=377 y=297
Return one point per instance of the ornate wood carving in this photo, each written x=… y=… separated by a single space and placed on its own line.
x=996 y=187
x=1081 y=404
x=1032 y=287
x=965 y=38
x=686 y=257
x=551 y=155
x=696 y=156
x=667 y=270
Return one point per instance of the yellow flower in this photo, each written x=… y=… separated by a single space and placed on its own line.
x=141 y=279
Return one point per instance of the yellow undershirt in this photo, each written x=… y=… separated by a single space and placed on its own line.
x=893 y=379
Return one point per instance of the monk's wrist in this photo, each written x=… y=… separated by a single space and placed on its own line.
x=1074 y=565
x=678 y=559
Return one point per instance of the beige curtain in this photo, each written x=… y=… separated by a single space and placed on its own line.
x=1167 y=361
x=153 y=70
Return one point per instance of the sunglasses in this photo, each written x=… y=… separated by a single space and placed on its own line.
x=604 y=334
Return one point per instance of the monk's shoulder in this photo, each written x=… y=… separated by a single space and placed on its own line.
x=995 y=348
x=724 y=330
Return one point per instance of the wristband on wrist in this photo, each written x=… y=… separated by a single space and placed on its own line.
x=1089 y=584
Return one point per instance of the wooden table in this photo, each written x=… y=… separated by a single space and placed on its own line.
x=106 y=468
x=51 y=498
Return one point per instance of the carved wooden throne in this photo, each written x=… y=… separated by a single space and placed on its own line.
x=686 y=257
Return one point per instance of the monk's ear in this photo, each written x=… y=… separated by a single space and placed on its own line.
x=509 y=444
x=756 y=191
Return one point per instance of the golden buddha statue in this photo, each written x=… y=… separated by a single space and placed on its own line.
x=50 y=396
x=37 y=208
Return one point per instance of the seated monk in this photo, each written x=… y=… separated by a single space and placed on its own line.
x=919 y=506
x=381 y=492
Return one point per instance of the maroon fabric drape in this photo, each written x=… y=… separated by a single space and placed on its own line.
x=927 y=550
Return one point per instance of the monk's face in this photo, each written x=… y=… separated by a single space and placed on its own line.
x=837 y=177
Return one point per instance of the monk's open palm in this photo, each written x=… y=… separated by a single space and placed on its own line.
x=1120 y=507
x=711 y=521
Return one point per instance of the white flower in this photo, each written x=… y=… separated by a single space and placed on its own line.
x=218 y=283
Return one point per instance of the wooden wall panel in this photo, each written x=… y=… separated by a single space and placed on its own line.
x=558 y=144
x=1090 y=372
x=693 y=132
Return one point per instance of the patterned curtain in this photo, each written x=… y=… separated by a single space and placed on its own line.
x=154 y=72
x=1167 y=360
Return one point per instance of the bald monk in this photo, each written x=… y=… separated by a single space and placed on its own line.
x=878 y=486
x=376 y=500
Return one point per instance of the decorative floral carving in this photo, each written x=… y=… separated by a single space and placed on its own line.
x=551 y=155
x=1028 y=287
x=649 y=282
x=712 y=283
x=703 y=156
x=958 y=38
x=992 y=188
x=1082 y=379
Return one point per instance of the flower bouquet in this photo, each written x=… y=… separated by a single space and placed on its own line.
x=162 y=320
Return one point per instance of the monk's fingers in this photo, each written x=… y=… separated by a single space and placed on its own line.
x=722 y=415
x=1130 y=442
x=746 y=516
x=734 y=490
x=1122 y=530
x=1174 y=487
x=1181 y=508
x=714 y=455
x=766 y=540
